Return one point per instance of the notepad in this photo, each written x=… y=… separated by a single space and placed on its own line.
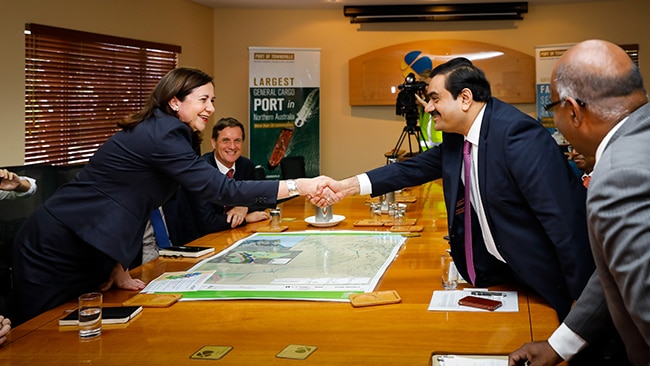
x=110 y=315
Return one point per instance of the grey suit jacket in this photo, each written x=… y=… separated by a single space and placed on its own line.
x=618 y=210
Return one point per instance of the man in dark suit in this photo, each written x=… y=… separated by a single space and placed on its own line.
x=527 y=205
x=227 y=138
x=601 y=107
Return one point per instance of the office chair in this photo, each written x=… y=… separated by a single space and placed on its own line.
x=293 y=167
x=260 y=174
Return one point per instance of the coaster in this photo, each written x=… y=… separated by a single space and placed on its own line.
x=405 y=199
x=296 y=351
x=405 y=222
x=268 y=229
x=375 y=298
x=152 y=300
x=368 y=222
x=211 y=352
x=404 y=228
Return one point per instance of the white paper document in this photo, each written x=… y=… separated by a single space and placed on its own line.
x=456 y=360
x=178 y=281
x=447 y=300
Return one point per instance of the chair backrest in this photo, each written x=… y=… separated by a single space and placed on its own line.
x=14 y=212
x=260 y=174
x=293 y=167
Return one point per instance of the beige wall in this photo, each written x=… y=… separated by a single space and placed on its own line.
x=354 y=139
x=178 y=22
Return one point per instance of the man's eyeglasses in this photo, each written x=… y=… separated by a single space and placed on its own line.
x=549 y=107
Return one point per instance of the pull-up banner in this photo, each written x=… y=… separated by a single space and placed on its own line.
x=284 y=105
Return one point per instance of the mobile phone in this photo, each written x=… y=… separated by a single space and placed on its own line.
x=480 y=302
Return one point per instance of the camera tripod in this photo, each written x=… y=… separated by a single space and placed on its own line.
x=409 y=131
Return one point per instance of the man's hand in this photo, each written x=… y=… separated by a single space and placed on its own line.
x=420 y=101
x=321 y=190
x=236 y=215
x=534 y=354
x=5 y=327
x=256 y=216
x=8 y=181
x=325 y=191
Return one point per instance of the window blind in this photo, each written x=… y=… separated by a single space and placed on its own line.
x=78 y=85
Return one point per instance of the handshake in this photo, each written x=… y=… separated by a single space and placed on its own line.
x=324 y=191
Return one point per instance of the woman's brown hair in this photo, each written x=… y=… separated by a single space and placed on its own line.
x=178 y=83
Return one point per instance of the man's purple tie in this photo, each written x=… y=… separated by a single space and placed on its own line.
x=230 y=173
x=469 y=256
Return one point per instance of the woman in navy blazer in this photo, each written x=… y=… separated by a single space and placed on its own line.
x=95 y=224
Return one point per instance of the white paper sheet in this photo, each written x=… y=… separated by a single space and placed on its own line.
x=178 y=281
x=447 y=300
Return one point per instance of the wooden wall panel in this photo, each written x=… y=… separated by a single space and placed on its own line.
x=374 y=75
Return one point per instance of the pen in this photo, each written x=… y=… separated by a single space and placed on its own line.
x=489 y=293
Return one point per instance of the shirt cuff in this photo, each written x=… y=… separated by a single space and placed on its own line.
x=566 y=342
x=365 y=187
x=32 y=187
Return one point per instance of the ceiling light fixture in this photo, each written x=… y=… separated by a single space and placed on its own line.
x=441 y=12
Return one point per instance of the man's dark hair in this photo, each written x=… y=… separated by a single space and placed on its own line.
x=227 y=122
x=461 y=74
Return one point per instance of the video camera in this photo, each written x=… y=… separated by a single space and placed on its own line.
x=406 y=104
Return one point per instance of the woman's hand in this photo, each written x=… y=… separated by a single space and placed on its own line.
x=121 y=278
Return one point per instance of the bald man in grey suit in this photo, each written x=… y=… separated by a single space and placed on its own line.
x=602 y=109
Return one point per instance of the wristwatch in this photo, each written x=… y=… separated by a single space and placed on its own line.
x=292 y=187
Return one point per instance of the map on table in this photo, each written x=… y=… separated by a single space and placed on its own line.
x=305 y=265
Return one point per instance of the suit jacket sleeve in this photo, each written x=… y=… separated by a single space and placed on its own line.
x=199 y=178
x=246 y=171
x=618 y=211
x=210 y=216
x=589 y=316
x=422 y=168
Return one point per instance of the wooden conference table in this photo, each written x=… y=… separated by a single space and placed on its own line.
x=398 y=334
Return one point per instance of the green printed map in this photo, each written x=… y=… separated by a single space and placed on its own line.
x=307 y=265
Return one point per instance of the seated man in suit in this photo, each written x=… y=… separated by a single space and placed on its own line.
x=227 y=138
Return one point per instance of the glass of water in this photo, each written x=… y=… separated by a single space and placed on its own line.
x=90 y=315
x=449 y=272
x=375 y=211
